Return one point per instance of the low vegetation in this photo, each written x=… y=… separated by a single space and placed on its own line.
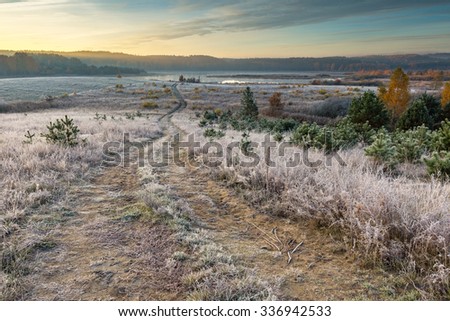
x=149 y=104
x=276 y=105
x=381 y=203
x=36 y=175
x=63 y=131
x=374 y=178
x=214 y=275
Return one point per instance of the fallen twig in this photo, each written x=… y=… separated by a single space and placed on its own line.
x=274 y=231
x=270 y=243
x=266 y=234
x=290 y=257
x=295 y=249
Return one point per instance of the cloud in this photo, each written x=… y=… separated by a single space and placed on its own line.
x=415 y=38
x=201 y=17
x=167 y=26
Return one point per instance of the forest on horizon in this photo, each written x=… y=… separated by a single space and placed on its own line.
x=24 y=64
x=413 y=62
x=106 y=63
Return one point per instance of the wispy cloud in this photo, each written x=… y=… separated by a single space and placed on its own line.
x=205 y=17
x=223 y=27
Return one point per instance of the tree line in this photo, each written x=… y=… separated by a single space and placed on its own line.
x=208 y=63
x=22 y=64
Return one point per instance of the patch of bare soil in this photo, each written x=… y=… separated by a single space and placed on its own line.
x=106 y=253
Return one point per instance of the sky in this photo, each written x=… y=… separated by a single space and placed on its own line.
x=240 y=29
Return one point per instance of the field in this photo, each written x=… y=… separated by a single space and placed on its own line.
x=134 y=212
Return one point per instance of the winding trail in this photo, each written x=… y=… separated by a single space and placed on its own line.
x=103 y=251
x=181 y=103
x=106 y=254
x=322 y=269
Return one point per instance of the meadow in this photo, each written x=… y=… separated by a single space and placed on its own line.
x=337 y=225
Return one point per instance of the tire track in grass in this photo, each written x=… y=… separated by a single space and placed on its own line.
x=322 y=269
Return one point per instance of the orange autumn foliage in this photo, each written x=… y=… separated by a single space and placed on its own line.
x=396 y=96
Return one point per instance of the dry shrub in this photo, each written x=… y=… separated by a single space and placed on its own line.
x=275 y=105
x=333 y=107
x=25 y=107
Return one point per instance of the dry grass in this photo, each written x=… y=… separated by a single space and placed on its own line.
x=34 y=179
x=304 y=103
x=25 y=107
x=215 y=276
x=400 y=223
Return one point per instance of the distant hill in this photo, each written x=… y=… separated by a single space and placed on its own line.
x=412 y=62
x=39 y=64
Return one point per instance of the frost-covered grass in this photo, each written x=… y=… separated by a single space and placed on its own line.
x=214 y=275
x=35 y=177
x=399 y=222
x=297 y=100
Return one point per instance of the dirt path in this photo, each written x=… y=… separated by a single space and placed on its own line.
x=104 y=251
x=181 y=105
x=321 y=268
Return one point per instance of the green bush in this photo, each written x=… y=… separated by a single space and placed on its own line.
x=312 y=135
x=344 y=135
x=433 y=106
x=278 y=137
x=347 y=134
x=246 y=143
x=325 y=140
x=441 y=138
x=210 y=115
x=368 y=109
x=412 y=144
x=445 y=114
x=383 y=149
x=130 y=116
x=63 y=132
x=100 y=117
x=416 y=115
x=306 y=134
x=212 y=133
x=284 y=125
x=439 y=164
x=244 y=124
x=203 y=122
x=29 y=137
x=249 y=108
